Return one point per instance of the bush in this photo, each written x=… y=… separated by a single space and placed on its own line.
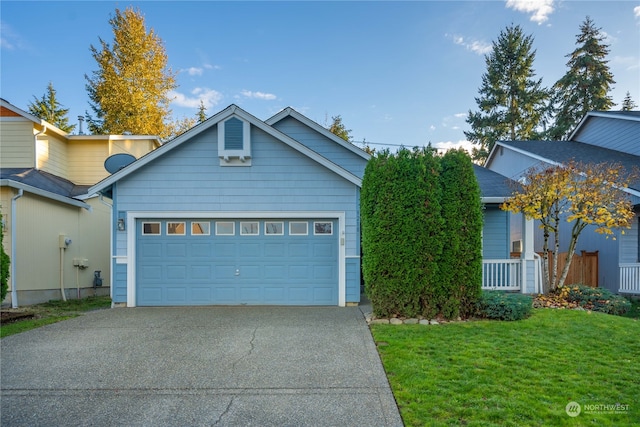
x=4 y=269
x=596 y=299
x=504 y=306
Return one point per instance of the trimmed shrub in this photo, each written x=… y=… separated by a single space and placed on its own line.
x=401 y=232
x=461 y=262
x=596 y=299
x=504 y=306
x=4 y=268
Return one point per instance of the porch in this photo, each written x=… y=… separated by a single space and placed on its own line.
x=511 y=274
x=629 y=278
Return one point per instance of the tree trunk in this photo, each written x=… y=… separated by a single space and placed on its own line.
x=575 y=232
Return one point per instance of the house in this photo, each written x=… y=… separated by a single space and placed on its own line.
x=611 y=136
x=56 y=235
x=239 y=211
x=499 y=270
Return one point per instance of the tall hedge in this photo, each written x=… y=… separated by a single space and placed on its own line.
x=401 y=226
x=421 y=230
x=461 y=262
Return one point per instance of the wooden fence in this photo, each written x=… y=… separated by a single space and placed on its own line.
x=583 y=269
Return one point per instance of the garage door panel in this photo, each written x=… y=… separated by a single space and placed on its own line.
x=231 y=269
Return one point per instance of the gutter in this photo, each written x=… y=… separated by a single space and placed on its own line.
x=14 y=220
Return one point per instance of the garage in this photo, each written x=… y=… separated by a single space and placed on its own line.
x=236 y=262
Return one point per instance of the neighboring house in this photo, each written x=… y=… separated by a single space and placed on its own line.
x=500 y=271
x=239 y=211
x=49 y=221
x=600 y=137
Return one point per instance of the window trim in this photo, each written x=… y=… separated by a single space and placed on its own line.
x=184 y=228
x=235 y=157
x=158 y=223
x=267 y=233
x=256 y=223
x=233 y=228
x=306 y=228
x=208 y=233
x=315 y=233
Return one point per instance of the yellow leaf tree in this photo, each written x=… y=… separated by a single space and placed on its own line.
x=580 y=194
x=130 y=90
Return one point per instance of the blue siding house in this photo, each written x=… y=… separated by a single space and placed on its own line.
x=239 y=211
x=602 y=136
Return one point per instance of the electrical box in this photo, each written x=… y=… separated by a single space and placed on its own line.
x=63 y=241
x=84 y=263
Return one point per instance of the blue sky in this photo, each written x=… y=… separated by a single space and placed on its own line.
x=397 y=72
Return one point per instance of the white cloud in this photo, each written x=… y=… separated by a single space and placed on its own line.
x=476 y=46
x=258 y=95
x=443 y=146
x=209 y=98
x=539 y=9
x=460 y=115
x=636 y=11
x=193 y=71
x=432 y=127
x=8 y=38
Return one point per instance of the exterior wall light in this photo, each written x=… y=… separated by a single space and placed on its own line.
x=121 y=226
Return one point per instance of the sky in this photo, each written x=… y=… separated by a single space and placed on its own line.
x=397 y=73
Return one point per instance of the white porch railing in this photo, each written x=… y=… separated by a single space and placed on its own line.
x=630 y=278
x=502 y=274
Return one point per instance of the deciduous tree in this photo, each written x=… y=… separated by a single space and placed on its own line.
x=48 y=108
x=338 y=128
x=129 y=91
x=586 y=84
x=512 y=102
x=580 y=194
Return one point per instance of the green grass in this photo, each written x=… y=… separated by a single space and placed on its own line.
x=52 y=312
x=492 y=373
x=634 y=313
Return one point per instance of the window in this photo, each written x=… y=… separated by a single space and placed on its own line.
x=322 y=228
x=176 y=228
x=225 y=228
x=200 y=228
x=249 y=229
x=298 y=228
x=273 y=228
x=234 y=142
x=151 y=228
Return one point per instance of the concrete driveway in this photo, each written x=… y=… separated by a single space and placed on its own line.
x=210 y=366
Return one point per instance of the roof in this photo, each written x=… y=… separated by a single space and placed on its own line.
x=232 y=110
x=561 y=152
x=44 y=184
x=9 y=106
x=619 y=115
x=493 y=186
x=290 y=112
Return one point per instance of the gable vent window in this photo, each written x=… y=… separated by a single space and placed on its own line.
x=234 y=142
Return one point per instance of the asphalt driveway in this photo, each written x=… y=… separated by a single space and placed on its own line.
x=210 y=366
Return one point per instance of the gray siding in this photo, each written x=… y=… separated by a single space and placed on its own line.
x=510 y=163
x=322 y=145
x=615 y=134
x=495 y=233
x=629 y=243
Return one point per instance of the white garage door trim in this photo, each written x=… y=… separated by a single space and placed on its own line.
x=133 y=216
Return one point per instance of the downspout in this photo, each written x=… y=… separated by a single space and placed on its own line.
x=35 y=145
x=64 y=297
x=14 y=291
x=111 y=255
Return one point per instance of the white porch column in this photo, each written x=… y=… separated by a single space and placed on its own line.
x=528 y=257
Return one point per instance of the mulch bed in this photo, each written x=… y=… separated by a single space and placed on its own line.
x=8 y=316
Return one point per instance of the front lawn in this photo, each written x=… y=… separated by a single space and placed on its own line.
x=26 y=318
x=492 y=373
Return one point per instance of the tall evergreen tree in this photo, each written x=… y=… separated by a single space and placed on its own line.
x=201 y=116
x=586 y=84
x=48 y=108
x=130 y=90
x=627 y=103
x=511 y=104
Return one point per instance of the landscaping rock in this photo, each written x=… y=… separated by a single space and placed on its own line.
x=424 y=322
x=410 y=321
x=434 y=322
x=395 y=321
x=380 y=321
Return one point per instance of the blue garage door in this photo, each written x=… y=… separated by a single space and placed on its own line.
x=231 y=262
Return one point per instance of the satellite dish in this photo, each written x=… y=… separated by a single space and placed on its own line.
x=115 y=162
